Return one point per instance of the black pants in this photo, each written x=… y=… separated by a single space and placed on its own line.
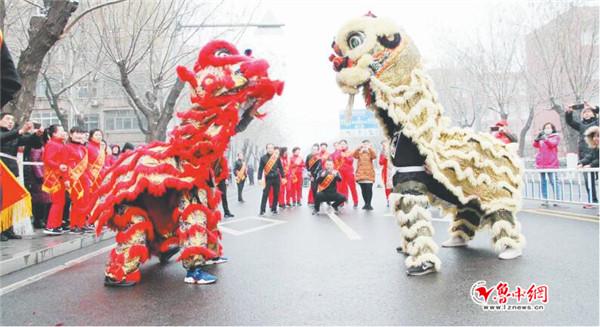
x=251 y=178
x=334 y=197
x=590 y=186
x=270 y=183
x=223 y=188
x=313 y=186
x=67 y=211
x=367 y=192
x=40 y=212
x=240 y=187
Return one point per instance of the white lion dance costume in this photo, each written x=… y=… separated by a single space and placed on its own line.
x=477 y=175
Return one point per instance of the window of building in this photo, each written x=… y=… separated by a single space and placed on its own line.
x=120 y=120
x=44 y=117
x=92 y=121
x=83 y=91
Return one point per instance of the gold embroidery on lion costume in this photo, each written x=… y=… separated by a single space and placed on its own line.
x=482 y=173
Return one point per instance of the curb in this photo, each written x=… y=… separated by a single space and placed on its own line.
x=28 y=259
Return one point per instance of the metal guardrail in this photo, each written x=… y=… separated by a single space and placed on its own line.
x=576 y=186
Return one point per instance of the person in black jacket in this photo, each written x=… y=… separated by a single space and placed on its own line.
x=270 y=165
x=327 y=188
x=240 y=172
x=589 y=118
x=591 y=161
x=313 y=165
x=11 y=138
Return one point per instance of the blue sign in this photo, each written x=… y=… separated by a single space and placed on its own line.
x=362 y=119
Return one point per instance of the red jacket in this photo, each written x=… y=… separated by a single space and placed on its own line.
x=547 y=156
x=53 y=157
x=77 y=161
x=96 y=163
x=296 y=166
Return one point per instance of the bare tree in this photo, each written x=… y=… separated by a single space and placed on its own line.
x=44 y=31
x=149 y=34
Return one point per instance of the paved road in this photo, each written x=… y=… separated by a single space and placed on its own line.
x=303 y=269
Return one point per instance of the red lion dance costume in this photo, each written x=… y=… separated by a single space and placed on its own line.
x=163 y=197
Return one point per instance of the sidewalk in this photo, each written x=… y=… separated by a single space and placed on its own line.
x=37 y=248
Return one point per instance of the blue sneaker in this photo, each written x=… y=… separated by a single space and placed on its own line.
x=216 y=261
x=197 y=276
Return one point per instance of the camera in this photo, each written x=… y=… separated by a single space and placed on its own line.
x=494 y=128
x=577 y=106
x=37 y=125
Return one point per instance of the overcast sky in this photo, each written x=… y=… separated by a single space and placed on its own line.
x=300 y=50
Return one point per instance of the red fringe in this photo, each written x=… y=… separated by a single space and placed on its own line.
x=166 y=244
x=138 y=250
x=196 y=250
x=125 y=236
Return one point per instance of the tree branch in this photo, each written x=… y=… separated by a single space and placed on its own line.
x=70 y=26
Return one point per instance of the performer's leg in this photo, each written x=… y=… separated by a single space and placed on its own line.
x=409 y=203
x=276 y=188
x=79 y=210
x=131 y=250
x=222 y=186
x=337 y=199
x=198 y=234
x=271 y=197
x=55 y=215
x=506 y=234
x=318 y=200
x=312 y=191
x=265 y=196
x=351 y=182
x=464 y=225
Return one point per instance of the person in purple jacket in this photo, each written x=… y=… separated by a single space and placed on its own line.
x=547 y=158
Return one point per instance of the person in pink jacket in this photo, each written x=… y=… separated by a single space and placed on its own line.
x=547 y=158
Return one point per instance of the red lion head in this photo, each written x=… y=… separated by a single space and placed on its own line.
x=224 y=78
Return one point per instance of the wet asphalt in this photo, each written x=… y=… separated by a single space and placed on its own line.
x=304 y=270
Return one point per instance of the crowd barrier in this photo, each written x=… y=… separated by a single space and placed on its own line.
x=578 y=186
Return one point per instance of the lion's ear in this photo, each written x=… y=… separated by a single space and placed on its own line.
x=390 y=44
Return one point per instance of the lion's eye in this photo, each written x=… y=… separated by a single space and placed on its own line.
x=355 y=39
x=222 y=53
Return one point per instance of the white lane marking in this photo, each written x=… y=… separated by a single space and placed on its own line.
x=235 y=232
x=44 y=274
x=344 y=227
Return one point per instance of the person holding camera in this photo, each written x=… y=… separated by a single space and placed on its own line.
x=591 y=161
x=501 y=132
x=327 y=188
x=11 y=138
x=365 y=172
x=588 y=118
x=547 y=142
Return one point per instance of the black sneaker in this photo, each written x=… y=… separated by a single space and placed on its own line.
x=3 y=238
x=336 y=209
x=229 y=215
x=53 y=231
x=400 y=251
x=262 y=213
x=424 y=269
x=368 y=208
x=76 y=230
x=113 y=283
x=315 y=212
x=164 y=257
x=275 y=212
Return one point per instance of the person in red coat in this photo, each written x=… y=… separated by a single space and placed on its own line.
x=347 y=172
x=501 y=132
x=284 y=192
x=295 y=176
x=77 y=160
x=383 y=162
x=97 y=158
x=55 y=177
